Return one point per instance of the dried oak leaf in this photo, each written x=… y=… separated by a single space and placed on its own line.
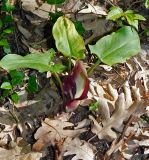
x=122 y=107
x=139 y=140
x=7 y=127
x=139 y=67
x=55 y=130
x=15 y=154
x=81 y=149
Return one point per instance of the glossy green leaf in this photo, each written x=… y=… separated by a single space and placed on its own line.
x=55 y=16
x=15 y=97
x=147 y=3
x=37 y=61
x=94 y=106
x=132 y=18
x=5 y=93
x=6 y=85
x=17 y=77
x=8 y=30
x=55 y=1
x=6 y=6
x=79 y=27
x=115 y=13
x=7 y=19
x=68 y=41
x=139 y=17
x=117 y=47
x=32 y=84
x=3 y=42
x=131 y=21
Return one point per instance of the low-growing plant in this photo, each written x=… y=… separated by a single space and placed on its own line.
x=120 y=16
x=114 y=48
x=9 y=85
x=6 y=27
x=94 y=106
x=13 y=81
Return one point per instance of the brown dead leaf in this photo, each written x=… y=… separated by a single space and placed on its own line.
x=54 y=130
x=15 y=154
x=124 y=105
x=81 y=149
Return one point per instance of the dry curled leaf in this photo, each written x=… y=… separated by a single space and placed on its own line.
x=139 y=67
x=97 y=10
x=15 y=154
x=55 y=130
x=123 y=106
x=81 y=149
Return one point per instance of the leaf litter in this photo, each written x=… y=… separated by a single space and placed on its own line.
x=116 y=129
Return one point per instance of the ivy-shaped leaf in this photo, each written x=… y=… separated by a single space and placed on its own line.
x=17 y=77
x=131 y=21
x=4 y=42
x=115 y=13
x=8 y=30
x=6 y=85
x=15 y=97
x=32 y=84
x=68 y=41
x=55 y=16
x=79 y=27
x=7 y=6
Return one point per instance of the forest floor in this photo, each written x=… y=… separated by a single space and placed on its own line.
x=39 y=128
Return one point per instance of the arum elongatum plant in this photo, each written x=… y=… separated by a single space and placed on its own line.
x=76 y=86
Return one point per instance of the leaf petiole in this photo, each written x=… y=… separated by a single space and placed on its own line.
x=90 y=70
x=60 y=83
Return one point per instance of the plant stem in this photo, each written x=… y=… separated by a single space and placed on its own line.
x=69 y=64
x=90 y=70
x=60 y=83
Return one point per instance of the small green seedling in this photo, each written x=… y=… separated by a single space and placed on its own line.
x=9 y=85
x=94 y=106
x=118 y=15
x=6 y=25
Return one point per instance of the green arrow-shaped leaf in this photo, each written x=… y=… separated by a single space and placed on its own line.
x=6 y=85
